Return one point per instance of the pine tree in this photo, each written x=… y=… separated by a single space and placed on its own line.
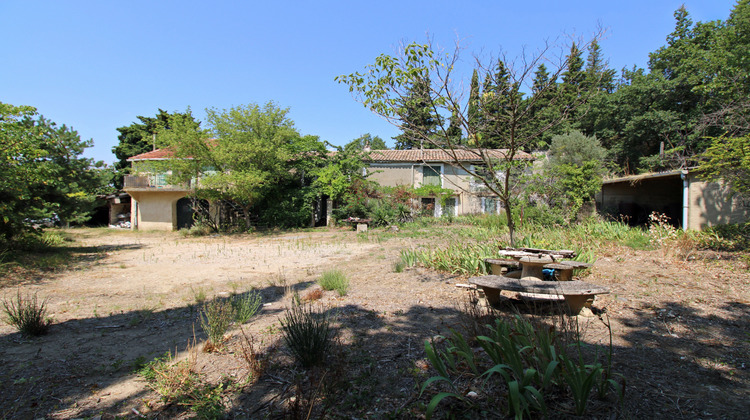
x=454 y=133
x=418 y=119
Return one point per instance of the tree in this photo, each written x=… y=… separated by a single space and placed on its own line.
x=416 y=114
x=140 y=137
x=366 y=140
x=728 y=160
x=388 y=83
x=244 y=157
x=42 y=175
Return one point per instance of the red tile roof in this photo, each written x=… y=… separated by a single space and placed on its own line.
x=157 y=154
x=440 y=155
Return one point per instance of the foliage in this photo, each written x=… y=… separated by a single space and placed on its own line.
x=139 y=137
x=696 y=89
x=42 y=178
x=524 y=362
x=416 y=90
x=245 y=307
x=729 y=237
x=334 y=280
x=308 y=334
x=254 y=156
x=27 y=314
x=728 y=160
x=216 y=317
x=366 y=140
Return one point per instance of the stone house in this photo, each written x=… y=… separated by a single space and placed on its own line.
x=418 y=167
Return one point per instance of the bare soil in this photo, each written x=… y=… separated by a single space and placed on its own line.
x=681 y=329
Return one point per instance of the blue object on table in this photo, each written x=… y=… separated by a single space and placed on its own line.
x=549 y=274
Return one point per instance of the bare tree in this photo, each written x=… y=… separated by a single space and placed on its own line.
x=507 y=123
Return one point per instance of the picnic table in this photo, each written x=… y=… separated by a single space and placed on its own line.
x=359 y=224
x=528 y=281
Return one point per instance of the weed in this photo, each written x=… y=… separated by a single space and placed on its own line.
x=257 y=362
x=334 y=280
x=398 y=267
x=27 y=314
x=216 y=316
x=308 y=334
x=199 y=295
x=177 y=382
x=313 y=295
x=245 y=307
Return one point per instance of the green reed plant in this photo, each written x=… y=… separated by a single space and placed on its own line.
x=216 y=317
x=522 y=361
x=334 y=280
x=245 y=307
x=27 y=314
x=308 y=334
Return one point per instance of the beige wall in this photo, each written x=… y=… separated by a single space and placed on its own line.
x=392 y=175
x=154 y=210
x=711 y=203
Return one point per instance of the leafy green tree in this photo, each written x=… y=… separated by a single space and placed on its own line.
x=572 y=174
x=243 y=157
x=140 y=137
x=42 y=174
x=366 y=140
x=506 y=123
x=728 y=160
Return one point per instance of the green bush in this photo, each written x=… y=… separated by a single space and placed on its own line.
x=308 y=334
x=729 y=237
x=27 y=314
x=334 y=280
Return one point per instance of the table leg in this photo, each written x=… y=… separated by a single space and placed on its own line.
x=577 y=302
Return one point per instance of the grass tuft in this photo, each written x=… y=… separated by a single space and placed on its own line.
x=334 y=280
x=246 y=307
x=216 y=317
x=27 y=314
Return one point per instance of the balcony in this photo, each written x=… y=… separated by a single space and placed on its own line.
x=151 y=182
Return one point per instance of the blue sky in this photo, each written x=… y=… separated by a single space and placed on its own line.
x=96 y=65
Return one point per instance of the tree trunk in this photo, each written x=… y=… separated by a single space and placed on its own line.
x=246 y=215
x=508 y=210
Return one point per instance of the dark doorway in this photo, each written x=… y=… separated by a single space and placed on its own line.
x=186 y=212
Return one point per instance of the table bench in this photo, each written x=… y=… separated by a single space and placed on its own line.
x=575 y=292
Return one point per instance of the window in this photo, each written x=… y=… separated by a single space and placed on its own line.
x=451 y=205
x=489 y=205
x=431 y=175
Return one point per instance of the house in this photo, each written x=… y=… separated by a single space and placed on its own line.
x=688 y=201
x=419 y=167
x=157 y=205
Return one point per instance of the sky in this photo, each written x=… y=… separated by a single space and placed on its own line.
x=97 y=65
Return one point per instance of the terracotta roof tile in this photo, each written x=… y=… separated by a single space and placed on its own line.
x=439 y=155
x=153 y=155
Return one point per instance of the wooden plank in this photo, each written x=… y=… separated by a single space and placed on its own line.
x=569 y=288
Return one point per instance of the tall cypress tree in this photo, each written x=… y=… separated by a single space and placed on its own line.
x=473 y=112
x=454 y=133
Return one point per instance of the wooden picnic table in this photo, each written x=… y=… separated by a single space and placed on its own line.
x=576 y=293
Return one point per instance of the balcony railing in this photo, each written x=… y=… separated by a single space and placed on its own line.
x=154 y=181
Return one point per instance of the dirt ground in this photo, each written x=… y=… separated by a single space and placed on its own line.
x=681 y=329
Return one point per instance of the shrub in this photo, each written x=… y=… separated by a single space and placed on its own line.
x=216 y=316
x=245 y=307
x=308 y=334
x=334 y=280
x=27 y=314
